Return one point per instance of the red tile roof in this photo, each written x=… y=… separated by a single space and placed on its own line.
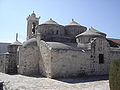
x=114 y=40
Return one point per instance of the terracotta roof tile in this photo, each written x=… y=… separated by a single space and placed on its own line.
x=114 y=40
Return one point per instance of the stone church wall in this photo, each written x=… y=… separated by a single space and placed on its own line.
x=98 y=47
x=69 y=63
x=50 y=29
x=47 y=30
x=74 y=30
x=45 y=64
x=8 y=63
x=28 y=60
x=12 y=66
x=13 y=58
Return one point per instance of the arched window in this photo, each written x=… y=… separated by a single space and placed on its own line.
x=101 y=58
x=33 y=28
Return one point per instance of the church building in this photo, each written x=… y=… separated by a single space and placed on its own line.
x=53 y=50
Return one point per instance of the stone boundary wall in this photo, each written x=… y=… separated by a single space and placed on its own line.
x=4 y=62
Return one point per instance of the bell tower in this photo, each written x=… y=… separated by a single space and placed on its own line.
x=32 y=22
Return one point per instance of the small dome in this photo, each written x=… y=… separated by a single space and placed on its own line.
x=17 y=43
x=50 y=21
x=30 y=42
x=73 y=23
x=33 y=14
x=92 y=32
x=98 y=31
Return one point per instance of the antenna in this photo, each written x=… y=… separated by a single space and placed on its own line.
x=72 y=19
x=16 y=36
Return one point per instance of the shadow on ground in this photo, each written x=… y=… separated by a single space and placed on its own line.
x=83 y=79
x=73 y=80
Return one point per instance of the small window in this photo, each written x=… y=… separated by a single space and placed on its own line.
x=101 y=58
x=57 y=32
x=33 y=28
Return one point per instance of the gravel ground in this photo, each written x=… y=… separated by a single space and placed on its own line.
x=20 y=82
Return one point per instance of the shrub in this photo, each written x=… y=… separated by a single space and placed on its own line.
x=114 y=75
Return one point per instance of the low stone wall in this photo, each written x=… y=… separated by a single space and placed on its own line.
x=12 y=67
x=4 y=62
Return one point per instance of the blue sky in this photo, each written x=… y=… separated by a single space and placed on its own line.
x=104 y=15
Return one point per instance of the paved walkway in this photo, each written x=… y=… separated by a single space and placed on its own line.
x=20 y=82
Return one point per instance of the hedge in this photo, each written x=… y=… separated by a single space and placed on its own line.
x=114 y=75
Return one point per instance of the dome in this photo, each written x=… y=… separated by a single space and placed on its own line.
x=17 y=43
x=92 y=32
x=98 y=31
x=50 y=21
x=30 y=42
x=73 y=23
x=33 y=14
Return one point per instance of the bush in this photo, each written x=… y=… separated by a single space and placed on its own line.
x=114 y=75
